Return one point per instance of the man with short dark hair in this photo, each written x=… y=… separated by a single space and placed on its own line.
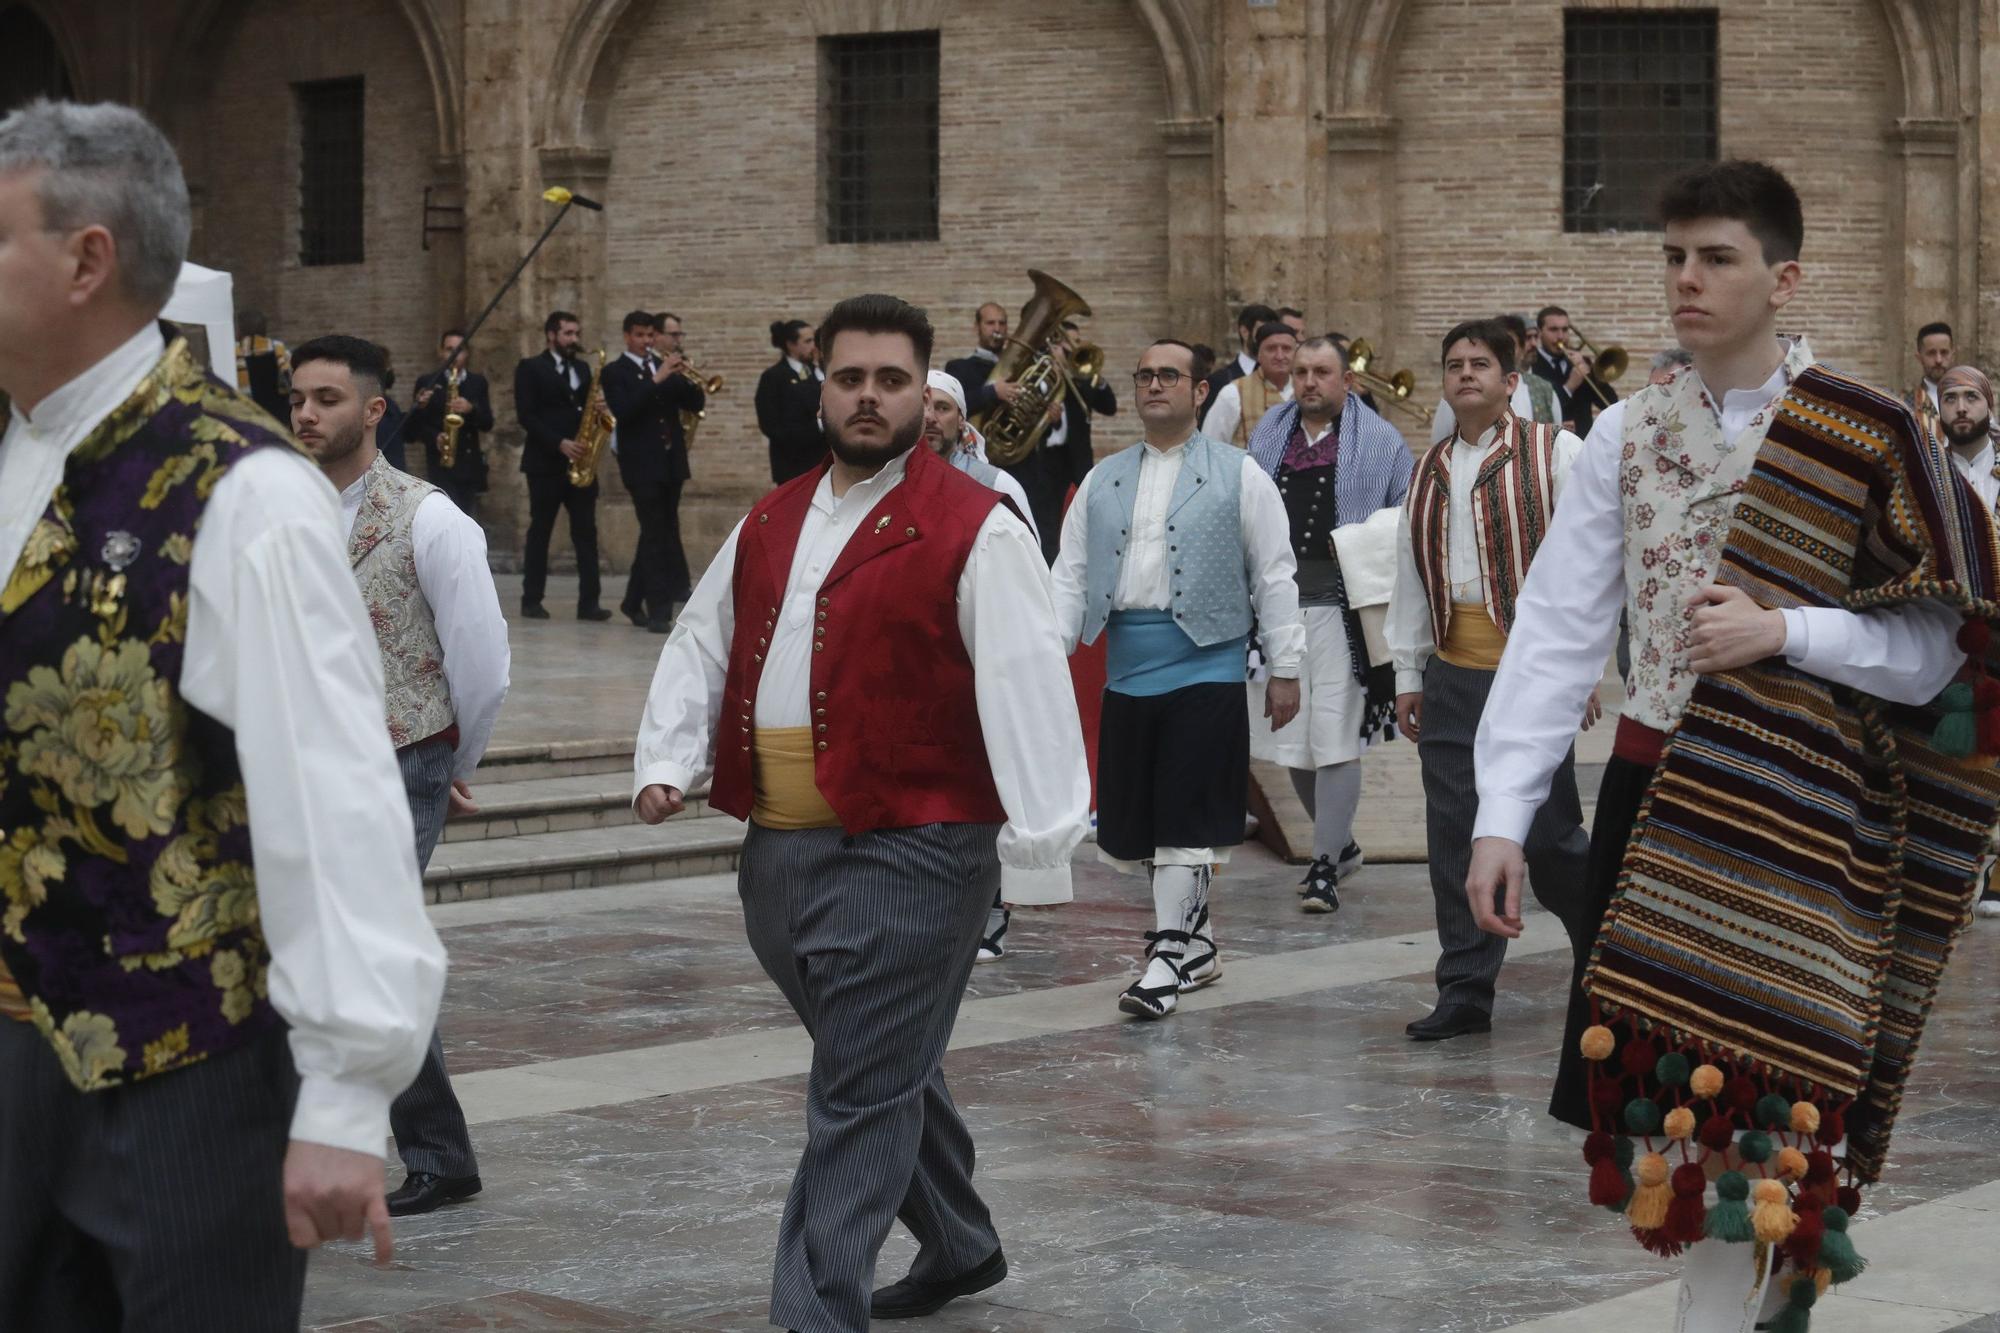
x=1249 y=319
x=433 y=399
x=1934 y=356
x=1294 y=319
x=650 y=393
x=1741 y=512
x=1172 y=548
x=872 y=669
x=215 y=967
x=1478 y=509
x=550 y=391
x=1533 y=399
x=1563 y=373
x=420 y=561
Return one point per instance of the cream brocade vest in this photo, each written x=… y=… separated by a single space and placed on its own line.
x=1257 y=397
x=384 y=557
x=1678 y=481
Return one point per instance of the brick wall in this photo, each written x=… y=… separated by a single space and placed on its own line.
x=239 y=144
x=1805 y=84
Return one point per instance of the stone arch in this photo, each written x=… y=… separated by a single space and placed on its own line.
x=182 y=67
x=45 y=22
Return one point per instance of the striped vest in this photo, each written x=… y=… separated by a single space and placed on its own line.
x=1512 y=498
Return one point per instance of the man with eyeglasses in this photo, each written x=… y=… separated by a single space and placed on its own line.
x=1177 y=545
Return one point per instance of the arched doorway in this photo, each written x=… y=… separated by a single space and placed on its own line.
x=31 y=63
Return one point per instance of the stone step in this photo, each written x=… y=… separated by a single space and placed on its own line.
x=583 y=858
x=556 y=759
x=510 y=807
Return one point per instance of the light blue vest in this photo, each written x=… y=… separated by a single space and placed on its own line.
x=1210 y=587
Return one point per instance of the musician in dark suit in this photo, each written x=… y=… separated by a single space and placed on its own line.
x=1064 y=455
x=550 y=391
x=1576 y=404
x=465 y=480
x=788 y=402
x=648 y=392
x=989 y=325
x=1248 y=320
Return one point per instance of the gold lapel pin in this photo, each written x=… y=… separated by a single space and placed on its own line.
x=881 y=522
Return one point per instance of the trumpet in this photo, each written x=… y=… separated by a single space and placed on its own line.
x=453 y=422
x=1605 y=366
x=708 y=383
x=1398 y=386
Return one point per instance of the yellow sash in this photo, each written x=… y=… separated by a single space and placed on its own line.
x=1471 y=640
x=13 y=1004
x=785 y=792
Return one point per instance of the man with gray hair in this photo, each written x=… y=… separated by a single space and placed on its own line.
x=196 y=1056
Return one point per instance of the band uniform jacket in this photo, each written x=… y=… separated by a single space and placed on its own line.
x=972 y=372
x=651 y=446
x=426 y=423
x=550 y=411
x=788 y=416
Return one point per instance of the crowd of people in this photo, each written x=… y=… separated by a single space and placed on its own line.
x=249 y=665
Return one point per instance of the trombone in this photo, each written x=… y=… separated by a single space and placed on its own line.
x=1398 y=386
x=1605 y=366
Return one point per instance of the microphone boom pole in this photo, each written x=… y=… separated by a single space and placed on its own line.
x=556 y=195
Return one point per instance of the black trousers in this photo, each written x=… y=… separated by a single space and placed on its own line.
x=1618 y=802
x=1173 y=770
x=546 y=496
x=156 y=1207
x=659 y=566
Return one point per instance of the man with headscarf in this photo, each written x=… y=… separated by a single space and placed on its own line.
x=1966 y=425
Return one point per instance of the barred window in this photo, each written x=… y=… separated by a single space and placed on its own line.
x=31 y=64
x=330 y=161
x=879 y=137
x=1639 y=107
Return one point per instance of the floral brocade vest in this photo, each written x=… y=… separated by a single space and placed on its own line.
x=384 y=557
x=128 y=907
x=1678 y=480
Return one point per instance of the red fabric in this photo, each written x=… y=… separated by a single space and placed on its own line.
x=1087 y=675
x=1638 y=743
x=894 y=714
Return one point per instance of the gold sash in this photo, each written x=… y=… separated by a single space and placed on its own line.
x=785 y=793
x=1471 y=640
x=13 y=1004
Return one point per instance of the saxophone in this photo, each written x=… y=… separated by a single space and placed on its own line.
x=453 y=422
x=592 y=431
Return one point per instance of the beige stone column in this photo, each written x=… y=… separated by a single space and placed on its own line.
x=1925 y=234
x=1360 y=220
x=1194 y=244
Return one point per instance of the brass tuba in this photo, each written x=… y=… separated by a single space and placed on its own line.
x=1013 y=429
x=592 y=432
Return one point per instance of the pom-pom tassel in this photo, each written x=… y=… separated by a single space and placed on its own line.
x=1609 y=1185
x=1685 y=1215
x=1729 y=1220
x=1803 y=1245
x=1648 y=1209
x=1796 y=1317
x=1772 y=1214
x=1657 y=1240
x=1836 y=1248
x=1957 y=732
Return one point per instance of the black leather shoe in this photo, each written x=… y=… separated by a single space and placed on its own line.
x=910 y=1298
x=660 y=624
x=635 y=614
x=534 y=611
x=1448 y=1021
x=422 y=1192
x=592 y=613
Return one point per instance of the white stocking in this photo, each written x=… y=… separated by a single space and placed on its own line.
x=1723 y=1287
x=1178 y=895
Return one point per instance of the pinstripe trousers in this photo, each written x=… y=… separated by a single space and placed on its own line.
x=1558 y=849
x=871 y=938
x=426 y=1119
x=157 y=1207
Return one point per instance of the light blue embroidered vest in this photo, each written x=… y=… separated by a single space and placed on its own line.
x=1210 y=588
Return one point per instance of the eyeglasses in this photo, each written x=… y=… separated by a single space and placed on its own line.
x=1166 y=379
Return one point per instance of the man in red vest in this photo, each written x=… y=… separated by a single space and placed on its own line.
x=872 y=672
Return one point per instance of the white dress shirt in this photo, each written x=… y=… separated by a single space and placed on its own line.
x=1444 y=421
x=1246 y=363
x=1027 y=706
x=1143 y=582
x=1408 y=629
x=1227 y=413
x=1978 y=473
x=280 y=650
x=799 y=367
x=1566 y=622
x=566 y=367
x=450 y=553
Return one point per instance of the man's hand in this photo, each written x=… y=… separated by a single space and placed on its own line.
x=656 y=803
x=1579 y=370
x=461 y=802
x=459 y=405
x=1055 y=411
x=1592 y=711
x=673 y=363
x=334 y=1194
x=1498 y=865
x=1410 y=715
x=440 y=440
x=424 y=398
x=571 y=450
x=1007 y=391
x=1730 y=630
x=1281 y=701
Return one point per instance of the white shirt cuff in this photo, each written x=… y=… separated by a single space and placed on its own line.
x=1504 y=817
x=341 y=1115
x=1798 y=636
x=1409 y=680
x=663 y=773
x=1035 y=888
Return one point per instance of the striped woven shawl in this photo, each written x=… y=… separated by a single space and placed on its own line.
x=1806 y=857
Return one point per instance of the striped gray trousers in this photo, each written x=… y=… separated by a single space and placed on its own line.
x=871 y=938
x=1558 y=848
x=428 y=1124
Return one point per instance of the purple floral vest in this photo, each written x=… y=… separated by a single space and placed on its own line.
x=128 y=908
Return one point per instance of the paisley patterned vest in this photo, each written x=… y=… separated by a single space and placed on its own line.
x=128 y=907
x=385 y=564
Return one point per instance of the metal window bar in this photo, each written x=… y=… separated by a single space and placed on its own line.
x=1639 y=107
x=880 y=134
x=331 y=128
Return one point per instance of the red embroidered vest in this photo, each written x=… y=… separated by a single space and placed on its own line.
x=895 y=721
x=1512 y=500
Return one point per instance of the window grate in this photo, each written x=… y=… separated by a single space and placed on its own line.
x=879 y=131
x=330 y=172
x=1639 y=108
